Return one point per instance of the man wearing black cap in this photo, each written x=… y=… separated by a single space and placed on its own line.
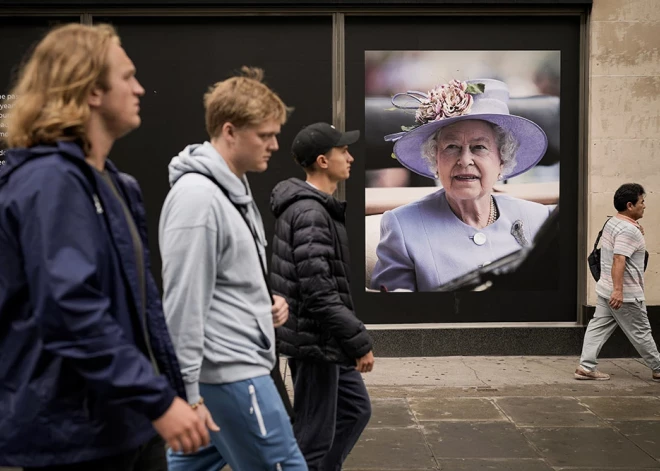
x=327 y=344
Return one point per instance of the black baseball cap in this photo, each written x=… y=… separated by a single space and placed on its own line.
x=317 y=139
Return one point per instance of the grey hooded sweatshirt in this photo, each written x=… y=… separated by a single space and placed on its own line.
x=216 y=303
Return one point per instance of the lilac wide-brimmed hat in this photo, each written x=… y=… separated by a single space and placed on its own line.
x=483 y=99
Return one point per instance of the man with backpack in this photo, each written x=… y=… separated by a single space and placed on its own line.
x=216 y=295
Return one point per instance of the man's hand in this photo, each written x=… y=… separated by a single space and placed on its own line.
x=280 y=310
x=366 y=363
x=616 y=299
x=182 y=428
x=206 y=418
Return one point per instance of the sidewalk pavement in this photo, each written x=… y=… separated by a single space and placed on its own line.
x=508 y=414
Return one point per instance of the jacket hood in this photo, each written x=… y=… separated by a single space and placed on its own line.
x=204 y=159
x=293 y=190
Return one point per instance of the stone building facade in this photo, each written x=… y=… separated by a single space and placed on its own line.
x=624 y=119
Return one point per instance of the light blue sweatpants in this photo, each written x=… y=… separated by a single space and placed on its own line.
x=634 y=322
x=255 y=431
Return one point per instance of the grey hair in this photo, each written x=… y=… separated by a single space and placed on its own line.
x=506 y=144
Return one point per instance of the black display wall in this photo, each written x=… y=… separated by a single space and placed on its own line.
x=19 y=35
x=468 y=33
x=177 y=59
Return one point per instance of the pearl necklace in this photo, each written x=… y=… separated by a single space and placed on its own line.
x=492 y=217
x=480 y=238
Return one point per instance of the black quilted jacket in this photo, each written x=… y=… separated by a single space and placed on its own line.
x=310 y=268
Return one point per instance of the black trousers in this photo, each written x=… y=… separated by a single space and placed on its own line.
x=148 y=457
x=332 y=408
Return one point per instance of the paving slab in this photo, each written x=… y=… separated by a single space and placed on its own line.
x=547 y=390
x=644 y=433
x=504 y=372
x=582 y=468
x=636 y=368
x=542 y=412
x=421 y=371
x=455 y=408
x=396 y=448
x=391 y=412
x=499 y=372
x=596 y=447
x=493 y=465
x=477 y=440
x=624 y=408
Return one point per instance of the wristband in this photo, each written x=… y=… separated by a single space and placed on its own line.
x=198 y=403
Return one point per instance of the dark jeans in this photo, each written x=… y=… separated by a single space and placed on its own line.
x=332 y=408
x=148 y=457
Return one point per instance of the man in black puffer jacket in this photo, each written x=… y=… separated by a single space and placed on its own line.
x=328 y=345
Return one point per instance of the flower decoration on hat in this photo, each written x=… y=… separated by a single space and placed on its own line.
x=447 y=100
x=444 y=101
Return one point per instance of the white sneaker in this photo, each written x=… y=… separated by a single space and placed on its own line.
x=582 y=373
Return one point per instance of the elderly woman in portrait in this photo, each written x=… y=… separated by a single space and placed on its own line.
x=468 y=141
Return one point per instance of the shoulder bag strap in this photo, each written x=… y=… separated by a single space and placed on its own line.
x=601 y=233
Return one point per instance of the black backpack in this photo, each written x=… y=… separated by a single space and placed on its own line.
x=594 y=256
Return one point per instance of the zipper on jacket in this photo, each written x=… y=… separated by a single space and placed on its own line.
x=97 y=203
x=256 y=410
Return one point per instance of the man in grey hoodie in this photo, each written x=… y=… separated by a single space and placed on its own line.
x=216 y=299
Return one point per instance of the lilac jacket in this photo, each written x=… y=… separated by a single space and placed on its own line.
x=423 y=245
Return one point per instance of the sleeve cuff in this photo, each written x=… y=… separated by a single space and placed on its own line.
x=157 y=410
x=192 y=392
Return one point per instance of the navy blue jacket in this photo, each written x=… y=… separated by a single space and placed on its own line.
x=75 y=380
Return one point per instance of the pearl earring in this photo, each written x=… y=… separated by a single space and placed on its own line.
x=436 y=175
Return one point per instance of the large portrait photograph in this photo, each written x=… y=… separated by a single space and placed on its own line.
x=462 y=165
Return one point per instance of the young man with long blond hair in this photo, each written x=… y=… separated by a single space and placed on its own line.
x=216 y=296
x=89 y=379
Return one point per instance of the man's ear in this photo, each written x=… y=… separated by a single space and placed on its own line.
x=95 y=97
x=228 y=132
x=322 y=161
